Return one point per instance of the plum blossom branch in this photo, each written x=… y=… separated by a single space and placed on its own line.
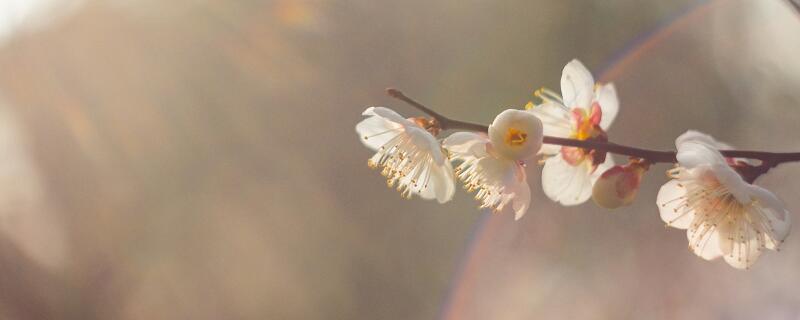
x=710 y=193
x=768 y=159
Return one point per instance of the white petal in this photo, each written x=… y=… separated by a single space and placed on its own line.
x=387 y=114
x=466 y=143
x=434 y=181
x=446 y=183
x=427 y=143
x=740 y=254
x=441 y=185
x=564 y=183
x=499 y=182
x=606 y=96
x=671 y=205
x=695 y=142
x=522 y=194
x=743 y=255
x=774 y=210
x=555 y=117
x=556 y=122
x=733 y=181
x=577 y=85
x=550 y=149
x=693 y=135
x=768 y=200
x=697 y=136
x=375 y=131
x=705 y=243
x=692 y=152
x=498 y=171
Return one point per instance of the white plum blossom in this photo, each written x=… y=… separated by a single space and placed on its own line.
x=494 y=164
x=407 y=154
x=724 y=215
x=584 y=112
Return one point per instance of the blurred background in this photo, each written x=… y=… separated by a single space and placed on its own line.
x=197 y=159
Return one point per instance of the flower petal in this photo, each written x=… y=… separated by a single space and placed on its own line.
x=463 y=144
x=732 y=181
x=672 y=205
x=376 y=131
x=430 y=181
x=556 y=122
x=694 y=150
x=606 y=96
x=704 y=240
x=739 y=244
x=387 y=114
x=773 y=209
x=498 y=181
x=441 y=185
x=699 y=137
x=708 y=140
x=522 y=193
x=567 y=184
x=577 y=85
x=426 y=142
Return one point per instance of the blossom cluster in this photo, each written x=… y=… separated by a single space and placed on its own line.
x=725 y=215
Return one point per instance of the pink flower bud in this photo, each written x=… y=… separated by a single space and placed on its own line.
x=618 y=186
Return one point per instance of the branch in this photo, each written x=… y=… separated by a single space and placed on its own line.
x=769 y=159
x=795 y=5
x=444 y=122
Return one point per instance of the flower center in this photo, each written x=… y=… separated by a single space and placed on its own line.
x=515 y=137
x=587 y=123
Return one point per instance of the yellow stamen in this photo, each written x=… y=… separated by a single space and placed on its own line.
x=529 y=105
x=515 y=137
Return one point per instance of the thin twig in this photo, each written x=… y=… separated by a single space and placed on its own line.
x=444 y=122
x=768 y=159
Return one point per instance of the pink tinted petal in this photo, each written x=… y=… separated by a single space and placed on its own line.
x=596 y=114
x=573 y=155
x=606 y=96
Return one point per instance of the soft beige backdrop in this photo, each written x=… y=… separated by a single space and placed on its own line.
x=198 y=160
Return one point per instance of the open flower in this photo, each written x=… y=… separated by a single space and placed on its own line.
x=724 y=215
x=494 y=164
x=408 y=155
x=584 y=112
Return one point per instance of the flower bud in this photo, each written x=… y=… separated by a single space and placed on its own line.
x=617 y=187
x=516 y=134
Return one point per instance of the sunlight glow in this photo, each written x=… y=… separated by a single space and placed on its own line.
x=17 y=14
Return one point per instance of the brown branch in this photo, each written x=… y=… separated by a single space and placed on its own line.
x=444 y=122
x=795 y=5
x=769 y=159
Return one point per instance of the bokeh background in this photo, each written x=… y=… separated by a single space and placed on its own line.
x=197 y=159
